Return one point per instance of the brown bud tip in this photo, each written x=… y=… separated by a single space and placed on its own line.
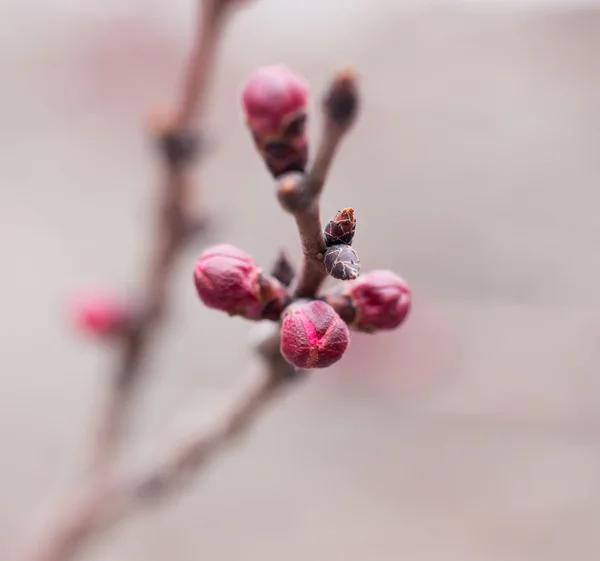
x=283 y=270
x=313 y=335
x=341 y=228
x=227 y=279
x=274 y=298
x=272 y=95
x=342 y=262
x=292 y=192
x=381 y=299
x=341 y=101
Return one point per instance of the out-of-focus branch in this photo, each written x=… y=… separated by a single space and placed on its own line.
x=203 y=439
x=108 y=497
x=300 y=194
x=179 y=142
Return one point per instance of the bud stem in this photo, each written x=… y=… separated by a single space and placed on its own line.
x=313 y=271
x=334 y=131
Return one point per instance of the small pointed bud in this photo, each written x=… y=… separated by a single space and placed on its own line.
x=341 y=101
x=382 y=300
x=227 y=279
x=274 y=298
x=313 y=335
x=100 y=314
x=274 y=101
x=342 y=262
x=341 y=228
x=283 y=270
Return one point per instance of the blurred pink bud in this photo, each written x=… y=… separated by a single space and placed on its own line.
x=381 y=299
x=271 y=96
x=227 y=279
x=100 y=314
x=313 y=335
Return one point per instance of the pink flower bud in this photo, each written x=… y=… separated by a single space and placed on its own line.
x=271 y=96
x=99 y=314
x=381 y=299
x=313 y=335
x=227 y=279
x=274 y=101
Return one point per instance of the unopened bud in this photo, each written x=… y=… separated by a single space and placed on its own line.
x=274 y=101
x=283 y=270
x=271 y=96
x=341 y=101
x=341 y=228
x=342 y=262
x=313 y=335
x=227 y=279
x=100 y=314
x=381 y=300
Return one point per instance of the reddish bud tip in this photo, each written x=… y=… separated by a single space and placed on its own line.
x=271 y=95
x=313 y=335
x=227 y=279
x=100 y=314
x=341 y=228
x=342 y=262
x=381 y=299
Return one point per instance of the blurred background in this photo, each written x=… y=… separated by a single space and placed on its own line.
x=470 y=434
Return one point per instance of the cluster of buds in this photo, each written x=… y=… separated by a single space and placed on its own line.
x=314 y=332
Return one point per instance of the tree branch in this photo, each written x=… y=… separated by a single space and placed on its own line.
x=179 y=145
x=103 y=500
x=301 y=194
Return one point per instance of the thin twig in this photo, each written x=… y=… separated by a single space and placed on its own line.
x=202 y=440
x=107 y=498
x=312 y=273
x=179 y=145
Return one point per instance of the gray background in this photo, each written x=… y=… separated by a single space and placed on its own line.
x=472 y=433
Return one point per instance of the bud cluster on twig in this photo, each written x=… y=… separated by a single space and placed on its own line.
x=313 y=327
x=310 y=328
